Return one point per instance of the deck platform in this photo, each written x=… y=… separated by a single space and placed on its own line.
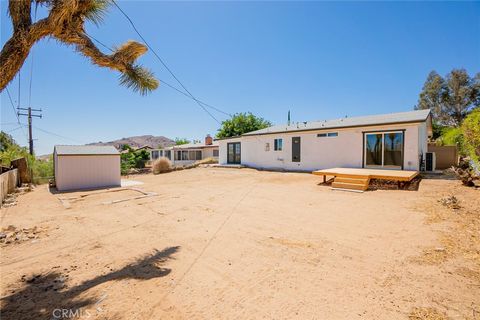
x=396 y=175
x=359 y=179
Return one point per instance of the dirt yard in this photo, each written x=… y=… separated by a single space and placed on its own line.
x=217 y=243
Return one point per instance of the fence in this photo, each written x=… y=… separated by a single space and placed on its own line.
x=8 y=183
x=446 y=156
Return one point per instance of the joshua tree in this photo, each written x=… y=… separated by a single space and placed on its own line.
x=65 y=23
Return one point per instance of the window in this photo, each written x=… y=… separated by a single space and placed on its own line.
x=267 y=146
x=191 y=155
x=215 y=152
x=184 y=155
x=278 y=144
x=384 y=149
x=155 y=154
x=329 y=134
x=198 y=155
x=168 y=154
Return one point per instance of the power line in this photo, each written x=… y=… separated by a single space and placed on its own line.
x=19 y=86
x=31 y=66
x=56 y=134
x=164 y=82
x=20 y=127
x=15 y=111
x=13 y=105
x=162 y=62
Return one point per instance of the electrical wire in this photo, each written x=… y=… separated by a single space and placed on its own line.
x=56 y=134
x=164 y=82
x=162 y=62
x=13 y=105
x=15 y=111
x=31 y=66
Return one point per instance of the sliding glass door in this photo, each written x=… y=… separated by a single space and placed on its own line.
x=384 y=149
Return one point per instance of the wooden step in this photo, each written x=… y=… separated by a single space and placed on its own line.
x=353 y=186
x=352 y=180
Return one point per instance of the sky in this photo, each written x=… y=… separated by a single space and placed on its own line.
x=320 y=60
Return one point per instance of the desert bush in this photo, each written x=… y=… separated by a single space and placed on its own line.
x=162 y=165
x=471 y=136
x=466 y=173
x=207 y=161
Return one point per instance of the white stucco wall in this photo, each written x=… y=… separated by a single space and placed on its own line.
x=208 y=152
x=86 y=171
x=345 y=150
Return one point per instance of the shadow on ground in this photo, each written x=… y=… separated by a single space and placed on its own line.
x=43 y=294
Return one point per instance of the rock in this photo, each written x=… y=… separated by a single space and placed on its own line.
x=3 y=235
x=10 y=228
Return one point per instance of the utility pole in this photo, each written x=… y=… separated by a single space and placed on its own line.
x=29 y=115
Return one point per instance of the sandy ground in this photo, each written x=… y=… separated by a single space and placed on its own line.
x=219 y=243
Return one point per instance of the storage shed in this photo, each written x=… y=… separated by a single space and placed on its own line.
x=86 y=167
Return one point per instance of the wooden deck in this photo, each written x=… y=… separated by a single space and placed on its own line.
x=396 y=175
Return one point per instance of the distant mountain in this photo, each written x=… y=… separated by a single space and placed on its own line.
x=138 y=141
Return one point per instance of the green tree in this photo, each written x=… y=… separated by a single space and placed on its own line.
x=65 y=22
x=432 y=95
x=450 y=99
x=6 y=141
x=471 y=135
x=241 y=123
x=180 y=141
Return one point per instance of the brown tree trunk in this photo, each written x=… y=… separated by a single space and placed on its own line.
x=16 y=50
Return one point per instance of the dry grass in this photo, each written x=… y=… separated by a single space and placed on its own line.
x=207 y=161
x=461 y=238
x=162 y=165
x=426 y=314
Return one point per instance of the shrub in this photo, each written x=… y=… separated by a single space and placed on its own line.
x=206 y=161
x=471 y=136
x=451 y=137
x=162 y=165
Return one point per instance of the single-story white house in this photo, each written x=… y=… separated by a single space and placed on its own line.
x=185 y=154
x=387 y=141
x=86 y=167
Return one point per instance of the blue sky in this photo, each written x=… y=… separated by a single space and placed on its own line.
x=321 y=60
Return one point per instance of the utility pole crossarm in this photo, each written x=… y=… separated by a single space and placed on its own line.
x=29 y=116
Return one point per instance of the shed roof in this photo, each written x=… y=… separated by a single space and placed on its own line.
x=379 y=119
x=85 y=150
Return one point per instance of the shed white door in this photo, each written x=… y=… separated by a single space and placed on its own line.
x=87 y=171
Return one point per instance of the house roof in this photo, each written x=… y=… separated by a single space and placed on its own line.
x=195 y=145
x=85 y=150
x=390 y=118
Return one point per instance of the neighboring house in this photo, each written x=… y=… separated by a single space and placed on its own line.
x=86 y=167
x=147 y=148
x=188 y=153
x=388 y=141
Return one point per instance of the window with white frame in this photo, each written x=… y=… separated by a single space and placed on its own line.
x=329 y=134
x=215 y=152
x=278 y=144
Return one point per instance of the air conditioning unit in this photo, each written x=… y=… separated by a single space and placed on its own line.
x=430 y=161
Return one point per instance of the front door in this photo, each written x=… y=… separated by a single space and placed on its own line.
x=384 y=149
x=295 y=149
x=234 y=153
